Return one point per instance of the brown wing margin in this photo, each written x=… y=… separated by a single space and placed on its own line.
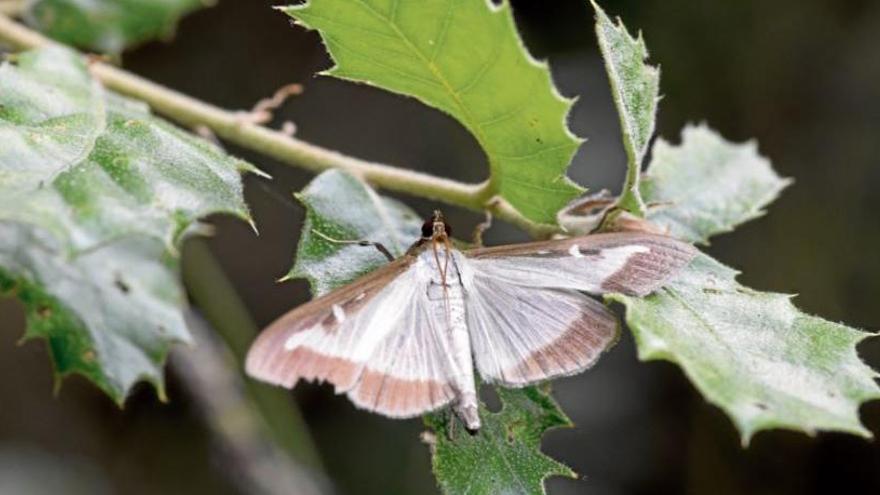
x=642 y=273
x=269 y=361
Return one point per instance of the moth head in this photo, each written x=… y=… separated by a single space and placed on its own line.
x=435 y=227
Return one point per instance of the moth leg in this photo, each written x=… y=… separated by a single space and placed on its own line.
x=451 y=420
x=482 y=227
x=378 y=245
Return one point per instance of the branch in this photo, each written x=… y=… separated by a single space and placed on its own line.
x=193 y=113
x=255 y=463
x=12 y=8
x=218 y=302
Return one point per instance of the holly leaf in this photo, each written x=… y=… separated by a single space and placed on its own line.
x=110 y=314
x=339 y=207
x=707 y=185
x=754 y=354
x=91 y=166
x=635 y=87
x=465 y=59
x=109 y=26
x=95 y=196
x=505 y=457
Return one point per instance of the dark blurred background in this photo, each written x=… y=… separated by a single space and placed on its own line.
x=802 y=77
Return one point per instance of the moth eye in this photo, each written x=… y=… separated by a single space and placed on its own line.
x=428 y=228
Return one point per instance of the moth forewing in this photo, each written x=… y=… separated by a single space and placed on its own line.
x=527 y=317
x=291 y=347
x=627 y=262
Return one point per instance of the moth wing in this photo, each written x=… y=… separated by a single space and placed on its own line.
x=329 y=338
x=528 y=322
x=409 y=372
x=369 y=338
x=630 y=263
x=521 y=335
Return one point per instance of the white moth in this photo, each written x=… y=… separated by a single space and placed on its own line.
x=405 y=339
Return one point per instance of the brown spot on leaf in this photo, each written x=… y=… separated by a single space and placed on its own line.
x=89 y=356
x=44 y=312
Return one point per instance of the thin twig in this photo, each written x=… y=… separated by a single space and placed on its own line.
x=264 y=110
x=256 y=464
x=191 y=113
x=217 y=299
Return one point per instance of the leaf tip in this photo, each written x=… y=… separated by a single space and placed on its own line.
x=245 y=167
x=289 y=9
x=161 y=393
x=253 y=224
x=57 y=382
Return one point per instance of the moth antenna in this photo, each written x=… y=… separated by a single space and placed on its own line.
x=378 y=245
x=448 y=246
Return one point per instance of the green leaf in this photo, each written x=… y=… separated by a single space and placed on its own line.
x=109 y=314
x=95 y=195
x=466 y=59
x=91 y=167
x=109 y=26
x=707 y=185
x=505 y=457
x=635 y=87
x=754 y=354
x=341 y=207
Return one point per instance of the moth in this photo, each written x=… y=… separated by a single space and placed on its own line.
x=408 y=338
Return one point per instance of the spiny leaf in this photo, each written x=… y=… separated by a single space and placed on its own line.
x=109 y=26
x=635 y=88
x=110 y=314
x=466 y=59
x=754 y=354
x=341 y=207
x=707 y=185
x=505 y=457
x=95 y=195
x=92 y=167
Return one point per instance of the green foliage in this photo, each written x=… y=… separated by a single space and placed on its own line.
x=91 y=167
x=707 y=185
x=466 y=59
x=505 y=457
x=635 y=87
x=753 y=353
x=109 y=26
x=109 y=314
x=95 y=195
x=341 y=207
